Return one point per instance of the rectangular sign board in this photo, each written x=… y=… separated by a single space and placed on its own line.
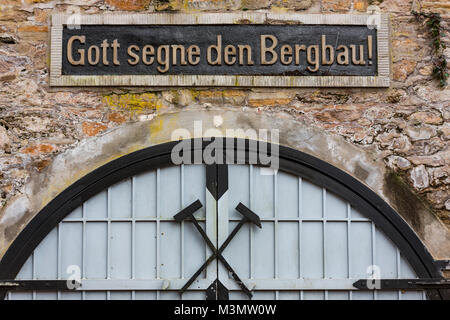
x=227 y=49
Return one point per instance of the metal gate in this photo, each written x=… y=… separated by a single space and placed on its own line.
x=126 y=243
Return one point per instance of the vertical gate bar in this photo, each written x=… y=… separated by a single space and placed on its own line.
x=300 y=222
x=83 y=247
x=399 y=293
x=58 y=255
x=182 y=222
x=349 y=252
x=222 y=214
x=211 y=217
x=275 y=214
x=108 y=239
x=33 y=273
x=182 y=225
x=250 y=179
x=324 y=238
x=300 y=217
x=133 y=233
x=375 y=295
x=157 y=227
x=222 y=221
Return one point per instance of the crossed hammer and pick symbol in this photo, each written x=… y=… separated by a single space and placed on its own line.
x=248 y=216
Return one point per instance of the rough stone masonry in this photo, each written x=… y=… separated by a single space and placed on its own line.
x=407 y=125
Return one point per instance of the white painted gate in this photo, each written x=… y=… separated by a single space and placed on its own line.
x=126 y=244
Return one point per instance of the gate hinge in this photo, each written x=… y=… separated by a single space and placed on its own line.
x=8 y=284
x=38 y=285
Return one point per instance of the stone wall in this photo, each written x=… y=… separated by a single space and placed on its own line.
x=408 y=124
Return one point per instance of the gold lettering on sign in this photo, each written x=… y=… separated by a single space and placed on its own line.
x=247 y=48
x=115 y=45
x=229 y=55
x=286 y=54
x=105 y=46
x=361 y=54
x=265 y=49
x=93 y=60
x=369 y=48
x=218 y=49
x=313 y=51
x=133 y=54
x=298 y=48
x=163 y=61
x=310 y=57
x=342 y=57
x=180 y=47
x=193 y=55
x=147 y=54
x=327 y=48
x=82 y=40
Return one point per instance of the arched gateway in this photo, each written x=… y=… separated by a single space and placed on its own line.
x=306 y=231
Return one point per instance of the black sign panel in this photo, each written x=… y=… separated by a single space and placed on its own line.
x=291 y=50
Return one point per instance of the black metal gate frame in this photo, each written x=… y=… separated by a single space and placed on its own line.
x=291 y=161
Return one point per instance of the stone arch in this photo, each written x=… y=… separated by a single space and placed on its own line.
x=362 y=164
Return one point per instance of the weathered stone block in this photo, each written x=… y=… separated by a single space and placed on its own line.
x=129 y=5
x=136 y=102
x=92 y=128
x=428 y=117
x=445 y=130
x=117 y=117
x=260 y=99
x=395 y=6
x=39 y=149
x=360 y=5
x=293 y=4
x=10 y=66
x=420 y=133
x=169 y=5
x=403 y=68
x=419 y=177
x=440 y=158
x=439 y=197
x=33 y=28
x=341 y=113
x=336 y=5
x=407 y=48
x=213 y=4
x=426 y=70
x=438 y=6
x=439 y=176
x=233 y=97
x=5 y=141
x=395 y=162
x=255 y=4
